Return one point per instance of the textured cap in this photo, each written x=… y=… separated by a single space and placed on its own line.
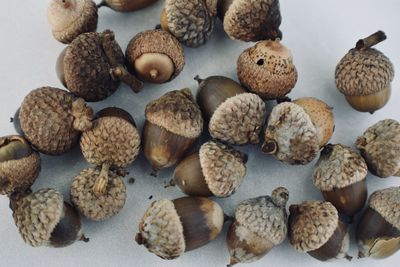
x=363 y=72
x=338 y=167
x=36 y=215
x=312 y=225
x=387 y=203
x=177 y=112
x=161 y=230
x=223 y=168
x=239 y=119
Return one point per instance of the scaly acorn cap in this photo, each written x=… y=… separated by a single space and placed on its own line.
x=239 y=119
x=387 y=203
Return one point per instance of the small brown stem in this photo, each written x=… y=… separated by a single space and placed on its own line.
x=153 y=74
x=371 y=40
x=84 y=239
x=120 y=73
x=83 y=115
x=101 y=182
x=269 y=147
x=198 y=79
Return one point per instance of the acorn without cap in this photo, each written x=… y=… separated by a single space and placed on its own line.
x=315 y=228
x=378 y=232
x=126 y=5
x=297 y=130
x=234 y=116
x=364 y=75
x=260 y=224
x=155 y=56
x=170 y=228
x=216 y=170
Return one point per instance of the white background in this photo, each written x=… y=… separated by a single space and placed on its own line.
x=318 y=33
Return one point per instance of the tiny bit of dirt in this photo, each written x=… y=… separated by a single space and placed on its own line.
x=131 y=180
x=150 y=197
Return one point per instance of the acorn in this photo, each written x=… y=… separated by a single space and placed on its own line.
x=52 y=120
x=190 y=21
x=297 y=130
x=234 y=116
x=70 y=18
x=378 y=232
x=364 y=75
x=113 y=141
x=260 y=224
x=44 y=219
x=340 y=174
x=267 y=69
x=380 y=147
x=216 y=170
x=173 y=123
x=251 y=20
x=315 y=228
x=92 y=67
x=126 y=5
x=170 y=228
x=155 y=56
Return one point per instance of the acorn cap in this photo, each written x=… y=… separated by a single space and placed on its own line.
x=338 y=167
x=191 y=21
x=161 y=230
x=177 y=112
x=315 y=224
x=91 y=206
x=223 y=168
x=239 y=119
x=387 y=203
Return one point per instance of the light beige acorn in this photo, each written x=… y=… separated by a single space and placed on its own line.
x=126 y=5
x=297 y=130
x=155 y=56
x=260 y=224
x=380 y=147
x=173 y=123
x=215 y=170
x=315 y=228
x=170 y=228
x=234 y=116
x=364 y=75
x=267 y=69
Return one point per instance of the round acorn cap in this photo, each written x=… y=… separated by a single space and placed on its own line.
x=91 y=206
x=387 y=203
x=177 y=112
x=338 y=167
x=223 y=168
x=239 y=119
x=363 y=72
x=161 y=230
x=37 y=214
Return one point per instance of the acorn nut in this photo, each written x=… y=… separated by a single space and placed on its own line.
x=364 y=75
x=170 y=228
x=216 y=170
x=126 y=5
x=260 y=224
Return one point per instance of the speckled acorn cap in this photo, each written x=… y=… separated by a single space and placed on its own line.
x=239 y=119
x=177 y=112
x=223 y=168
x=380 y=147
x=97 y=208
x=387 y=203
x=267 y=69
x=52 y=119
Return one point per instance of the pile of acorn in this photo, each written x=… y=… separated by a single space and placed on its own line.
x=52 y=121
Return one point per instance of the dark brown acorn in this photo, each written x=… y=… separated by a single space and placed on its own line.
x=126 y=5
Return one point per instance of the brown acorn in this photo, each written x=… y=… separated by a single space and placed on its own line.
x=92 y=67
x=52 y=120
x=234 y=116
x=260 y=224
x=315 y=228
x=170 y=228
x=364 y=75
x=126 y=5
x=173 y=123
x=216 y=170
x=155 y=56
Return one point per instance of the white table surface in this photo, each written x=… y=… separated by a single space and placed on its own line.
x=318 y=33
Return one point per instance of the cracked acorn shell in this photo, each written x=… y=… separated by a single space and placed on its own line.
x=52 y=120
x=70 y=18
x=92 y=67
x=216 y=170
x=267 y=69
x=234 y=116
x=170 y=228
x=315 y=228
x=380 y=147
x=260 y=224
x=126 y=5
x=155 y=56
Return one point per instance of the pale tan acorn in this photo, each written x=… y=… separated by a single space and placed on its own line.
x=126 y=5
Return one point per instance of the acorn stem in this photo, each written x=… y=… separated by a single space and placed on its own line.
x=101 y=182
x=153 y=74
x=120 y=73
x=82 y=114
x=371 y=40
x=269 y=147
x=198 y=79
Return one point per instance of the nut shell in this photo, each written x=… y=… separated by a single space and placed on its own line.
x=128 y=5
x=387 y=203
